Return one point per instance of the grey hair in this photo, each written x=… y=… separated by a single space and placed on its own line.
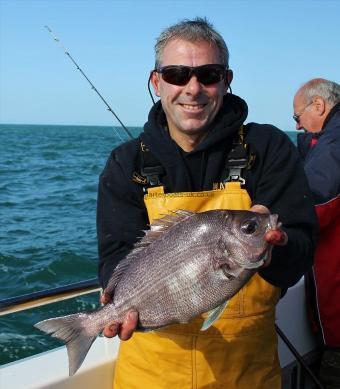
x=328 y=90
x=198 y=29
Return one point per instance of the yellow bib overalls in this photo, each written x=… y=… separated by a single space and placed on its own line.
x=239 y=351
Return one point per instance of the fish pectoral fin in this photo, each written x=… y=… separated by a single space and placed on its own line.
x=213 y=315
x=146 y=330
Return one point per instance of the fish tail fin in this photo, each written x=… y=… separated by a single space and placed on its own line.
x=73 y=330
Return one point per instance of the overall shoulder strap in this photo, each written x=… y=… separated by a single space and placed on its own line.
x=149 y=170
x=239 y=158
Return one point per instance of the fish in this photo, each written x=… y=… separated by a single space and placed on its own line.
x=186 y=264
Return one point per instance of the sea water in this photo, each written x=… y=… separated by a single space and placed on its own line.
x=48 y=190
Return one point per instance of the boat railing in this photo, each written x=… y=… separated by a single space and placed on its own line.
x=48 y=296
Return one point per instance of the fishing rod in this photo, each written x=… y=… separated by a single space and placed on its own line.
x=298 y=357
x=88 y=80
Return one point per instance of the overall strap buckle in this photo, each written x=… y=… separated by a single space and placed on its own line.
x=237 y=159
x=152 y=175
x=150 y=169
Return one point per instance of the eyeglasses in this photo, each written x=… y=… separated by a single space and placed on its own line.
x=296 y=116
x=180 y=75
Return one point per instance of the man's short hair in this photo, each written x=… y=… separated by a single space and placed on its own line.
x=198 y=29
x=328 y=90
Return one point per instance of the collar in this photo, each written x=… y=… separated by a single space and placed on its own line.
x=331 y=113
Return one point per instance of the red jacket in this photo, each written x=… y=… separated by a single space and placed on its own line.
x=327 y=270
x=322 y=166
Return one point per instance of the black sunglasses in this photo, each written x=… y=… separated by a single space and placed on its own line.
x=181 y=75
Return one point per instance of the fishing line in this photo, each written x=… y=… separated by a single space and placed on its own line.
x=149 y=89
x=92 y=86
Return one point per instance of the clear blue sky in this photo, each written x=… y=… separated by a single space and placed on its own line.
x=275 y=46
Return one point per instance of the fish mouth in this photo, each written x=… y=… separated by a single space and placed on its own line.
x=230 y=271
x=255 y=264
x=273 y=223
x=234 y=267
x=260 y=261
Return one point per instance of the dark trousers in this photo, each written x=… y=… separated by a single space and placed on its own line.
x=330 y=368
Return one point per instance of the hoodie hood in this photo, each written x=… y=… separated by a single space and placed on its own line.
x=334 y=113
x=230 y=117
x=208 y=156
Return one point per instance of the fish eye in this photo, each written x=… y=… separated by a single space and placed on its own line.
x=249 y=227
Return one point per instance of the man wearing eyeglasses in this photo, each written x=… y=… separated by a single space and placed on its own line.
x=197 y=153
x=317 y=112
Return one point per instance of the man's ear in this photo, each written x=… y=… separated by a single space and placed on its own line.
x=154 y=78
x=319 y=105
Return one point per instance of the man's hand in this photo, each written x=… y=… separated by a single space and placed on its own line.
x=275 y=237
x=125 y=329
x=259 y=209
x=105 y=298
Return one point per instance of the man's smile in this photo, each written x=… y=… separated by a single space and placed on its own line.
x=193 y=107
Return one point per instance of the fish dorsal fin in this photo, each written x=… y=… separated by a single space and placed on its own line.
x=157 y=228
x=213 y=315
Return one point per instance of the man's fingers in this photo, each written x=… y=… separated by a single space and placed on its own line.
x=276 y=237
x=123 y=330
x=105 y=298
x=111 y=330
x=129 y=325
x=259 y=209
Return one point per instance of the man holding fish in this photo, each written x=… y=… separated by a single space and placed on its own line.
x=207 y=266
x=201 y=156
